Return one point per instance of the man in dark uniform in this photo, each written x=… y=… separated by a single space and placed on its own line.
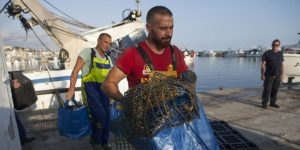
x=24 y=138
x=271 y=73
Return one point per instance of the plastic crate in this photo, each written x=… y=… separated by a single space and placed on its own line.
x=229 y=138
x=124 y=141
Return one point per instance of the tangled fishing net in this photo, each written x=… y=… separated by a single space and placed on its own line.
x=159 y=103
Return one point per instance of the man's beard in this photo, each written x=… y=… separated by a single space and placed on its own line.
x=163 y=42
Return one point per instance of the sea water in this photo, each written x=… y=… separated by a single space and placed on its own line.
x=226 y=72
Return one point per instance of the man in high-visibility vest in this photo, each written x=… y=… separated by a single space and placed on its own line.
x=95 y=64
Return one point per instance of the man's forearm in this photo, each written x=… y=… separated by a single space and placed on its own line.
x=112 y=90
x=262 y=72
x=73 y=80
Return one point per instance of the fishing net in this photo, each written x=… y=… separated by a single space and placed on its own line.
x=159 y=103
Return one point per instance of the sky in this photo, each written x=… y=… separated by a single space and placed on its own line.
x=198 y=24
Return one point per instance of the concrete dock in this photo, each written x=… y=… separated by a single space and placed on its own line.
x=269 y=129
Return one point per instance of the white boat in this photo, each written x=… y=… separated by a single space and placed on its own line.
x=48 y=80
x=209 y=53
x=255 y=52
x=236 y=53
x=291 y=54
x=189 y=57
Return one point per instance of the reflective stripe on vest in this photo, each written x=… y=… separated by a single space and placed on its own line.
x=99 y=70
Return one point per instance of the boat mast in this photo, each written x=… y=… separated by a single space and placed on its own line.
x=63 y=37
x=68 y=40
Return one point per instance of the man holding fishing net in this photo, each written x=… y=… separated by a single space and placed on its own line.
x=161 y=107
x=156 y=49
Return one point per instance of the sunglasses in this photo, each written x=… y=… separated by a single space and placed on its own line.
x=276 y=44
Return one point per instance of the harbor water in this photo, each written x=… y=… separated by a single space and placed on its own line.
x=226 y=72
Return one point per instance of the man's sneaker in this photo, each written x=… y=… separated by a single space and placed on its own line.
x=274 y=105
x=264 y=106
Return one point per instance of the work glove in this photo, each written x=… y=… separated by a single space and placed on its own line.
x=189 y=75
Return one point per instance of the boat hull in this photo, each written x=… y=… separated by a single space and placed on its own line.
x=52 y=85
x=291 y=68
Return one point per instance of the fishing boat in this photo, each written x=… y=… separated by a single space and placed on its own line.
x=53 y=75
x=209 y=53
x=255 y=52
x=291 y=54
x=236 y=53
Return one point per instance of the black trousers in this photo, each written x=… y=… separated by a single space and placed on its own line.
x=271 y=85
x=21 y=129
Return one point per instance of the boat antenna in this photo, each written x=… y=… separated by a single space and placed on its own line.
x=138 y=11
x=137 y=5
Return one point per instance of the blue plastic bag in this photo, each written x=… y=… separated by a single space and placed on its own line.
x=196 y=134
x=73 y=121
x=116 y=110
